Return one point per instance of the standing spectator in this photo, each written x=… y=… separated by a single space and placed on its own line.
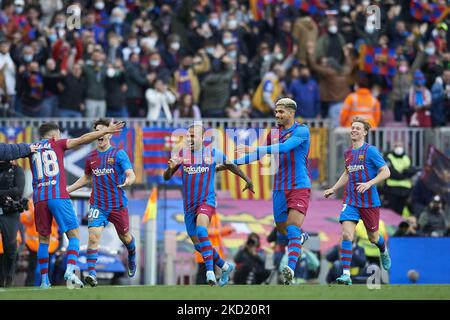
x=331 y=43
x=187 y=108
x=31 y=88
x=216 y=89
x=401 y=84
x=72 y=88
x=333 y=82
x=116 y=88
x=361 y=103
x=156 y=66
x=440 y=93
x=48 y=9
x=398 y=186
x=304 y=30
x=7 y=77
x=433 y=220
x=268 y=91
x=239 y=109
x=305 y=93
x=51 y=78
x=118 y=24
x=419 y=100
x=136 y=80
x=132 y=47
x=186 y=77
x=95 y=75
x=159 y=98
x=90 y=24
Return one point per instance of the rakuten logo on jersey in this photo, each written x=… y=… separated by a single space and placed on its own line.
x=102 y=172
x=355 y=167
x=194 y=170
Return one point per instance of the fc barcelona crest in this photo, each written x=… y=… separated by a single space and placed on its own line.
x=361 y=157
x=110 y=161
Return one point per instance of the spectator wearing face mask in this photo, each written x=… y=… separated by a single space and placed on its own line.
x=118 y=24
x=172 y=52
x=136 y=81
x=331 y=43
x=238 y=109
x=94 y=72
x=433 y=220
x=116 y=88
x=185 y=78
x=419 y=100
x=398 y=187
x=31 y=88
x=305 y=92
x=401 y=83
x=132 y=47
x=159 y=100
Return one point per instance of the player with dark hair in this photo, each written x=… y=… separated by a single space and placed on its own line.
x=292 y=184
x=198 y=163
x=364 y=168
x=110 y=170
x=50 y=198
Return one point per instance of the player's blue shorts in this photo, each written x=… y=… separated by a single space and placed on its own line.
x=98 y=217
x=61 y=210
x=283 y=200
x=369 y=216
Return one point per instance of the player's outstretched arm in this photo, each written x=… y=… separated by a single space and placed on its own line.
x=10 y=152
x=343 y=179
x=92 y=136
x=237 y=171
x=383 y=174
x=172 y=167
x=81 y=182
x=130 y=178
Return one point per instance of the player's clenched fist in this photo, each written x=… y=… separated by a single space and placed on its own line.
x=173 y=162
x=328 y=192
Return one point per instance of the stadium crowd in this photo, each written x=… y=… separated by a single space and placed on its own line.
x=199 y=58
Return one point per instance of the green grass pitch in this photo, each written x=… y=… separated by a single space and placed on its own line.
x=265 y=292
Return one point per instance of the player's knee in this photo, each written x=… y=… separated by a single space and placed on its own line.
x=93 y=238
x=72 y=233
x=347 y=235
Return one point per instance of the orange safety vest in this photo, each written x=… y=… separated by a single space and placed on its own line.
x=32 y=236
x=215 y=233
x=361 y=104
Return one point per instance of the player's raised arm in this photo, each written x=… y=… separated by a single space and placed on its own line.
x=92 y=136
x=237 y=171
x=15 y=151
x=339 y=184
x=81 y=182
x=173 y=165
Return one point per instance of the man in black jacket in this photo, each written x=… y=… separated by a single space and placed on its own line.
x=10 y=152
x=12 y=182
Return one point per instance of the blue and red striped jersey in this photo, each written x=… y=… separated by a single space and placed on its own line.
x=198 y=176
x=107 y=169
x=293 y=170
x=47 y=167
x=362 y=165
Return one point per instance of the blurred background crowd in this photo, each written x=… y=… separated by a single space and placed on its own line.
x=174 y=59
